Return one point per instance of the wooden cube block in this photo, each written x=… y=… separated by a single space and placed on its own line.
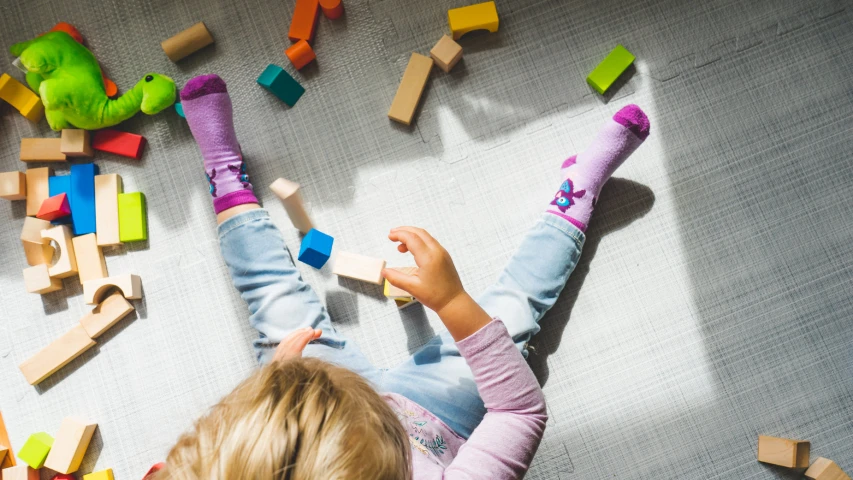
x=316 y=248
x=37 y=251
x=56 y=355
x=120 y=143
x=107 y=189
x=410 y=90
x=20 y=472
x=304 y=20
x=605 y=74
x=66 y=266
x=826 y=469
x=13 y=185
x=75 y=143
x=187 y=42
x=41 y=150
x=37 y=188
x=54 y=207
x=9 y=461
x=35 y=449
x=399 y=293
x=132 y=217
x=446 y=53
x=300 y=54
x=359 y=267
x=22 y=98
x=130 y=286
x=281 y=84
x=288 y=193
x=70 y=445
x=37 y=279
x=783 y=452
x=106 y=314
x=332 y=9
x=91 y=264
x=481 y=16
x=82 y=197
x=102 y=475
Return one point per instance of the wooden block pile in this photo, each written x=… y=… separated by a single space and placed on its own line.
x=789 y=453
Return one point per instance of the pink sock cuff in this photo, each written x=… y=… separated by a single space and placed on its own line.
x=203 y=85
x=634 y=119
x=238 y=197
x=581 y=226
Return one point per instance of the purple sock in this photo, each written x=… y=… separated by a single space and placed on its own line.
x=207 y=108
x=586 y=173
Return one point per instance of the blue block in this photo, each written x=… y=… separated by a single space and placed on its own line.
x=82 y=197
x=316 y=248
x=55 y=186
x=281 y=84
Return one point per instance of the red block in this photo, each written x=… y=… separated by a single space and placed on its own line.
x=54 y=207
x=120 y=143
x=156 y=468
x=304 y=20
x=63 y=476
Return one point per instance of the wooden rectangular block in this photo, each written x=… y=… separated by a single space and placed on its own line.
x=56 y=186
x=399 y=293
x=37 y=279
x=304 y=20
x=132 y=217
x=37 y=251
x=37 y=188
x=107 y=189
x=13 y=185
x=130 y=285
x=825 y=469
x=75 y=143
x=446 y=53
x=82 y=197
x=22 y=98
x=20 y=472
x=91 y=264
x=106 y=314
x=480 y=16
x=605 y=74
x=56 y=355
x=3 y=452
x=41 y=150
x=66 y=265
x=120 y=143
x=281 y=84
x=9 y=461
x=70 y=445
x=783 y=452
x=288 y=193
x=102 y=475
x=187 y=42
x=359 y=267
x=411 y=87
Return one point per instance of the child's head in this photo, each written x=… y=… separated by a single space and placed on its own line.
x=295 y=419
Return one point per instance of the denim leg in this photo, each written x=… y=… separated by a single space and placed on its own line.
x=279 y=301
x=438 y=378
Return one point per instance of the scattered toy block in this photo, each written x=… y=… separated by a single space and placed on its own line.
x=129 y=284
x=69 y=29
x=154 y=469
x=398 y=293
x=70 y=445
x=281 y=84
x=446 y=53
x=66 y=266
x=359 y=267
x=300 y=54
x=120 y=143
x=20 y=472
x=332 y=9
x=288 y=193
x=132 y=218
x=187 y=42
x=410 y=90
x=63 y=476
x=41 y=150
x=3 y=452
x=75 y=143
x=36 y=449
x=22 y=98
x=37 y=279
x=9 y=461
x=180 y=110
x=38 y=189
x=90 y=260
x=102 y=475
x=401 y=304
x=13 y=185
x=606 y=73
x=316 y=248
x=481 y=16
x=54 y=207
x=783 y=452
x=304 y=20
x=107 y=189
x=56 y=355
x=106 y=314
x=82 y=198
x=825 y=469
x=36 y=249
x=57 y=186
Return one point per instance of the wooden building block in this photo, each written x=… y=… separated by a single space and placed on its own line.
x=826 y=469
x=9 y=461
x=82 y=198
x=300 y=54
x=66 y=266
x=20 y=472
x=63 y=476
x=36 y=449
x=304 y=20
x=411 y=87
x=106 y=314
x=481 y=16
x=132 y=217
x=70 y=445
x=37 y=251
x=57 y=186
x=399 y=293
x=125 y=144
x=187 y=42
x=359 y=267
x=22 y=98
x=13 y=185
x=37 y=279
x=401 y=303
x=107 y=189
x=154 y=469
x=54 y=207
x=102 y=475
x=37 y=188
x=281 y=84
x=783 y=452
x=41 y=150
x=179 y=109
x=332 y=9
x=90 y=260
x=446 y=53
x=316 y=248
x=75 y=143
x=130 y=286
x=288 y=193
x=56 y=355
x=606 y=73
x=3 y=452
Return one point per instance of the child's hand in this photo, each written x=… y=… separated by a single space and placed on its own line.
x=293 y=344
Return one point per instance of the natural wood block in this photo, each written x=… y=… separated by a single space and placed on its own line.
x=187 y=42
x=9 y=461
x=76 y=143
x=481 y=16
x=359 y=267
x=41 y=150
x=22 y=98
x=783 y=452
x=66 y=266
x=401 y=303
x=288 y=193
x=37 y=279
x=107 y=189
x=304 y=20
x=91 y=264
x=20 y=472
x=446 y=53
x=102 y=475
x=130 y=286
x=37 y=251
x=826 y=469
x=56 y=355
x=13 y=185
x=399 y=293
x=36 y=449
x=70 y=445
x=106 y=314
x=411 y=87
x=37 y=188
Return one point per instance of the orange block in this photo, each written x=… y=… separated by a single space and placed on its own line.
x=69 y=29
x=332 y=9
x=304 y=20
x=300 y=54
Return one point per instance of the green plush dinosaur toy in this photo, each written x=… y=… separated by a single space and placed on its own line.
x=69 y=82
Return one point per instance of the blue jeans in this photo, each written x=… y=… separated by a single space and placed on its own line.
x=436 y=376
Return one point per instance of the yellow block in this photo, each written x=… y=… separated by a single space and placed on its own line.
x=22 y=98
x=102 y=475
x=482 y=16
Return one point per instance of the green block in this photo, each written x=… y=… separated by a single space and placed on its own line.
x=132 y=218
x=281 y=84
x=35 y=450
x=609 y=69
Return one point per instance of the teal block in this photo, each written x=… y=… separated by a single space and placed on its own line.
x=606 y=73
x=180 y=109
x=281 y=84
x=35 y=449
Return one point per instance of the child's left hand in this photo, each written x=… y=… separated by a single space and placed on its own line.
x=293 y=344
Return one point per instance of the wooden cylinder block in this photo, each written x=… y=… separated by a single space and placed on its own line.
x=300 y=54
x=332 y=9
x=187 y=42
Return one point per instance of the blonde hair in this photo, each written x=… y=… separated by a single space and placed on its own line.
x=295 y=419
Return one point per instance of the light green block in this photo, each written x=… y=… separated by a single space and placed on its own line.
x=610 y=68
x=35 y=450
x=132 y=217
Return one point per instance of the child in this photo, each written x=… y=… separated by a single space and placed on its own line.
x=466 y=405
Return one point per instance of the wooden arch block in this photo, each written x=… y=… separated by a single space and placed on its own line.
x=130 y=286
x=66 y=266
x=481 y=16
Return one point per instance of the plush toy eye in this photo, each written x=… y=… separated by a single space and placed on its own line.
x=148 y=78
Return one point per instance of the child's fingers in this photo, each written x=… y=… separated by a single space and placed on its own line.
x=402 y=248
x=400 y=279
x=428 y=239
x=412 y=242
x=293 y=344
